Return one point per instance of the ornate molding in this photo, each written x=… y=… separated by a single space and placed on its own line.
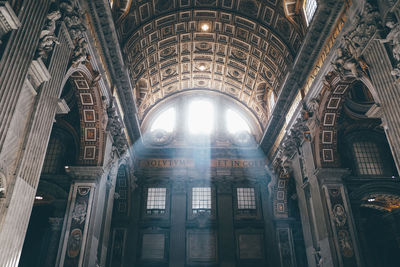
x=8 y=19
x=73 y=20
x=376 y=111
x=364 y=29
x=62 y=107
x=393 y=39
x=349 y=59
x=47 y=38
x=116 y=128
x=38 y=73
x=84 y=172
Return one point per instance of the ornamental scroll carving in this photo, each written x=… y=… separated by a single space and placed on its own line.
x=365 y=27
x=393 y=39
x=349 y=59
x=74 y=23
x=115 y=126
x=47 y=38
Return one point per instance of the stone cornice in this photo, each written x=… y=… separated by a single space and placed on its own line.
x=85 y=172
x=320 y=29
x=104 y=24
x=8 y=19
x=331 y=175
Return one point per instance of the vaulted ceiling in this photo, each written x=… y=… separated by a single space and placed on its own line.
x=245 y=52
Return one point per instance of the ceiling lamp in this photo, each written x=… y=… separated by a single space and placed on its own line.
x=202 y=67
x=205 y=27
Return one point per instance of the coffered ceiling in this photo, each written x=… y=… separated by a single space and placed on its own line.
x=241 y=48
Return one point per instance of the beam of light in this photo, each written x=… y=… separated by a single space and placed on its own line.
x=271 y=102
x=200 y=117
x=165 y=121
x=235 y=123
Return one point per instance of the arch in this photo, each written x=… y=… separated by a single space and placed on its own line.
x=240 y=49
x=385 y=194
x=330 y=110
x=251 y=118
x=91 y=112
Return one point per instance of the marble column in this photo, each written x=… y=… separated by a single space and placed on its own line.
x=107 y=217
x=22 y=184
x=341 y=219
x=271 y=232
x=388 y=90
x=83 y=218
x=8 y=19
x=320 y=248
x=177 y=245
x=14 y=64
x=285 y=244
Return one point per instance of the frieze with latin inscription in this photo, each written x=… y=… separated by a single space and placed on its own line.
x=190 y=163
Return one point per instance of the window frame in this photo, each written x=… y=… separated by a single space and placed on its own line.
x=181 y=104
x=305 y=13
x=192 y=215
x=361 y=165
x=145 y=191
x=239 y=214
x=389 y=167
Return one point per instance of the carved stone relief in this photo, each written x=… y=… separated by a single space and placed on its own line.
x=349 y=59
x=47 y=37
x=393 y=40
x=341 y=225
x=116 y=128
x=72 y=18
x=77 y=226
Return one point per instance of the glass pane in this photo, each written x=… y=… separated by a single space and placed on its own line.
x=165 y=121
x=311 y=6
x=201 y=198
x=271 y=102
x=156 y=198
x=246 y=198
x=367 y=158
x=201 y=117
x=235 y=123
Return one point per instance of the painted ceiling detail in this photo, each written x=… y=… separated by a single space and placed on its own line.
x=241 y=57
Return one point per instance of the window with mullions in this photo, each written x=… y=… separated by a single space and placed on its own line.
x=310 y=8
x=156 y=200
x=367 y=158
x=201 y=200
x=246 y=200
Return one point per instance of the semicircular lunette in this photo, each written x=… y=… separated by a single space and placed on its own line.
x=209 y=49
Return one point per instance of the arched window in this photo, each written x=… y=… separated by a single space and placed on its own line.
x=235 y=123
x=367 y=157
x=367 y=153
x=165 y=121
x=310 y=7
x=271 y=101
x=200 y=117
x=196 y=117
